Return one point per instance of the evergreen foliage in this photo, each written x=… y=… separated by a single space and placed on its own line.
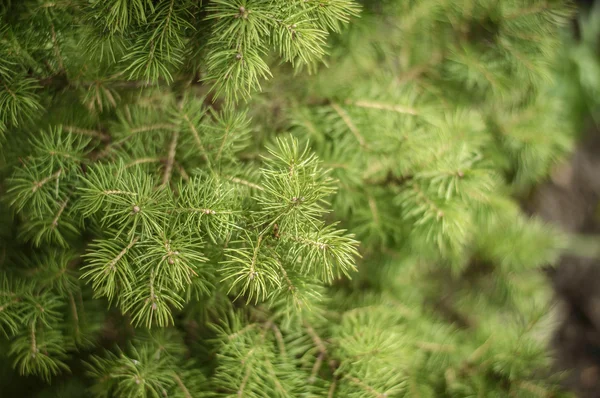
x=183 y=202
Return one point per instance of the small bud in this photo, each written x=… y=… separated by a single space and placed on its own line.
x=136 y=209
x=171 y=261
x=154 y=306
x=440 y=214
x=294 y=26
x=242 y=9
x=213 y=212
x=206 y=211
x=239 y=56
x=460 y=173
x=137 y=380
x=294 y=199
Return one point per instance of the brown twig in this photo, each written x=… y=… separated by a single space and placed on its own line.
x=56 y=48
x=114 y=261
x=91 y=133
x=349 y=123
x=245 y=182
x=170 y=158
x=383 y=106
x=60 y=211
x=197 y=138
x=38 y=184
x=182 y=386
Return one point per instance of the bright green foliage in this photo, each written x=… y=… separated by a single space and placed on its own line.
x=163 y=238
x=582 y=82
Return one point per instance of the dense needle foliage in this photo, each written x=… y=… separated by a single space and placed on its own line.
x=276 y=198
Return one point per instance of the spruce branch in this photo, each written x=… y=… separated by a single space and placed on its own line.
x=238 y=180
x=380 y=106
x=108 y=269
x=39 y=184
x=351 y=126
x=140 y=161
x=197 y=138
x=150 y=302
x=170 y=158
x=182 y=386
x=92 y=133
x=158 y=208
x=19 y=101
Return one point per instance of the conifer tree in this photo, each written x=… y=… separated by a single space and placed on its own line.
x=273 y=198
